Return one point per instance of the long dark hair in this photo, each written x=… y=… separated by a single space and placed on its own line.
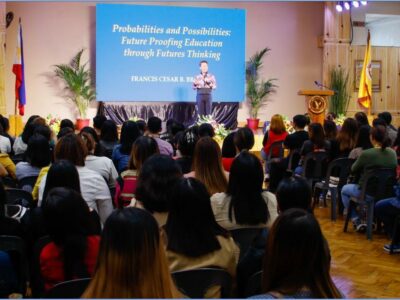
x=246 y=179
x=228 y=146
x=38 y=152
x=244 y=139
x=347 y=135
x=62 y=173
x=131 y=261
x=316 y=134
x=361 y=118
x=298 y=257
x=191 y=227
x=294 y=192
x=329 y=129
x=379 y=134
x=67 y=220
x=157 y=176
x=129 y=133
x=143 y=148
x=109 y=132
x=363 y=139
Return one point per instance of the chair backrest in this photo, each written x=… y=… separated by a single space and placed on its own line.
x=378 y=183
x=27 y=183
x=195 y=283
x=37 y=282
x=16 y=245
x=253 y=286
x=72 y=289
x=9 y=182
x=315 y=165
x=18 y=196
x=276 y=150
x=294 y=158
x=244 y=237
x=342 y=168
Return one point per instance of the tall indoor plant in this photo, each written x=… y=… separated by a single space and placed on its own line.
x=77 y=79
x=258 y=90
x=339 y=83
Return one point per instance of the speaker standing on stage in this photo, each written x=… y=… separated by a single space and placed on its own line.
x=204 y=83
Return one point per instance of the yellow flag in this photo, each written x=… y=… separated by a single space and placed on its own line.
x=365 y=88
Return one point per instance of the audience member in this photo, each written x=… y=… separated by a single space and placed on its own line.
x=207 y=166
x=5 y=124
x=5 y=143
x=98 y=122
x=131 y=262
x=193 y=237
x=142 y=149
x=72 y=252
x=331 y=133
x=244 y=139
x=296 y=140
x=8 y=226
x=37 y=156
x=141 y=124
x=378 y=157
x=293 y=192
x=109 y=136
x=228 y=151
x=245 y=204
x=186 y=146
x=157 y=176
x=120 y=156
x=347 y=137
x=67 y=123
x=390 y=129
x=173 y=127
x=206 y=130
x=297 y=261
x=93 y=186
x=275 y=133
x=98 y=149
x=100 y=164
x=8 y=165
x=362 y=119
x=21 y=142
x=363 y=142
x=154 y=126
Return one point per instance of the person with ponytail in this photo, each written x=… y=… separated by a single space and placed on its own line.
x=380 y=156
x=132 y=261
x=72 y=252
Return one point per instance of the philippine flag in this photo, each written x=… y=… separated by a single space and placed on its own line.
x=18 y=70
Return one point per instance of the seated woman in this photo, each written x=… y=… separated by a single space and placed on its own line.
x=7 y=165
x=297 y=261
x=120 y=155
x=293 y=192
x=21 y=142
x=381 y=156
x=243 y=139
x=363 y=142
x=316 y=143
x=37 y=156
x=347 y=137
x=228 y=151
x=331 y=134
x=186 y=145
x=93 y=186
x=142 y=149
x=193 y=237
x=72 y=252
x=132 y=252
x=108 y=137
x=207 y=166
x=157 y=177
x=100 y=164
x=245 y=204
x=98 y=149
x=275 y=133
x=5 y=144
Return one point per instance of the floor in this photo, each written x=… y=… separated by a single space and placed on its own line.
x=360 y=268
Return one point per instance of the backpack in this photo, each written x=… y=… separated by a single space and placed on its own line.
x=125 y=190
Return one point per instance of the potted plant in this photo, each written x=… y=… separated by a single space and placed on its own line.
x=257 y=89
x=78 y=85
x=339 y=83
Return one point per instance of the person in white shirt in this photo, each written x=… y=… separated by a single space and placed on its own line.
x=100 y=164
x=245 y=204
x=94 y=188
x=5 y=145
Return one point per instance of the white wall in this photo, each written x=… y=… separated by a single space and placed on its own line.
x=54 y=32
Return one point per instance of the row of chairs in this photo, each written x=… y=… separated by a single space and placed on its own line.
x=318 y=171
x=193 y=283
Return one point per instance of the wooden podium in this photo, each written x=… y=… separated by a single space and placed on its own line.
x=316 y=103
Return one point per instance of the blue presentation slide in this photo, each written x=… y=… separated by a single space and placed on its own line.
x=152 y=53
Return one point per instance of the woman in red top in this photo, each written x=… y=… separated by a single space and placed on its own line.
x=73 y=252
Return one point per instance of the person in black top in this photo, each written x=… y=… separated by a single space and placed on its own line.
x=8 y=226
x=292 y=142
